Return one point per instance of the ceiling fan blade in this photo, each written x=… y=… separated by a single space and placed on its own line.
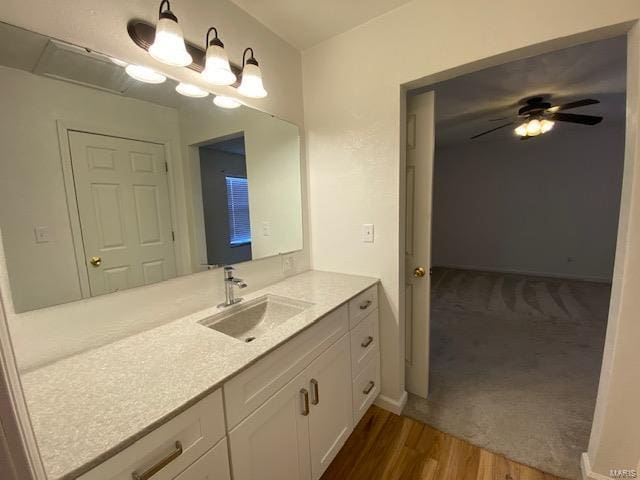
x=579 y=103
x=492 y=130
x=574 y=118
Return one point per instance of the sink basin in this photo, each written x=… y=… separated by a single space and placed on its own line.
x=250 y=320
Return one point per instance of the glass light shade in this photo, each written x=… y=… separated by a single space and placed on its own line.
x=546 y=125
x=168 y=46
x=217 y=69
x=534 y=128
x=251 y=84
x=189 y=90
x=144 y=74
x=521 y=130
x=226 y=102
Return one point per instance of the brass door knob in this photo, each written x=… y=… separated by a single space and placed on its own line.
x=95 y=261
x=419 y=272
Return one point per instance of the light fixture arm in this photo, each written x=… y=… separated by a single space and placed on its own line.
x=166 y=13
x=215 y=40
x=250 y=60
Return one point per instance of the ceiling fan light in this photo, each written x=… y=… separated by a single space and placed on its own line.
x=521 y=130
x=546 y=126
x=223 y=101
x=144 y=74
x=189 y=90
x=217 y=70
x=534 y=128
x=168 y=46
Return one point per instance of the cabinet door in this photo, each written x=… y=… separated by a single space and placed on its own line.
x=213 y=465
x=273 y=442
x=331 y=419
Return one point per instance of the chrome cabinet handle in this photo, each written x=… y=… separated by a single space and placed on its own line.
x=305 y=401
x=365 y=305
x=367 y=342
x=368 y=388
x=316 y=392
x=151 y=471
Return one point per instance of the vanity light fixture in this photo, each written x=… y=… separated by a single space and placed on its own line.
x=144 y=74
x=168 y=46
x=217 y=70
x=223 y=101
x=251 y=82
x=189 y=90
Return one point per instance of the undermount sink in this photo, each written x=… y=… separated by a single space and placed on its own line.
x=250 y=320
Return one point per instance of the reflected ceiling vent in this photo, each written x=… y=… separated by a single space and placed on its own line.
x=70 y=63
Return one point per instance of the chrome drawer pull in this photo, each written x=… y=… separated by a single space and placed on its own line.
x=365 y=305
x=305 y=401
x=151 y=471
x=369 y=387
x=316 y=392
x=367 y=342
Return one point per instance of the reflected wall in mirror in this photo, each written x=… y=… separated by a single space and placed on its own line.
x=107 y=183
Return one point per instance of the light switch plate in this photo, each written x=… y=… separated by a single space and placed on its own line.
x=367 y=232
x=42 y=234
x=266 y=229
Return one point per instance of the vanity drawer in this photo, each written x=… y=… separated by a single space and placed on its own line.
x=360 y=306
x=251 y=388
x=213 y=465
x=366 y=387
x=364 y=342
x=197 y=429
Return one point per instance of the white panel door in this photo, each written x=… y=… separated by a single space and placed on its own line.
x=123 y=204
x=331 y=419
x=420 y=151
x=273 y=442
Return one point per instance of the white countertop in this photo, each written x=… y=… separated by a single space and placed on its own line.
x=90 y=406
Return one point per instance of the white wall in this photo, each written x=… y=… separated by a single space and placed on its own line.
x=32 y=190
x=352 y=91
x=529 y=207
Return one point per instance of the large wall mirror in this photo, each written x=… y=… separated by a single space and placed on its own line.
x=108 y=183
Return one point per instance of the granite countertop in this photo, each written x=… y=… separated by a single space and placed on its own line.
x=86 y=408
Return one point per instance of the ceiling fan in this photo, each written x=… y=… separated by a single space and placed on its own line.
x=539 y=116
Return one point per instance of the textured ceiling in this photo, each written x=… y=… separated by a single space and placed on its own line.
x=304 y=23
x=471 y=103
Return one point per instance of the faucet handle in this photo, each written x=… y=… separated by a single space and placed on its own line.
x=228 y=272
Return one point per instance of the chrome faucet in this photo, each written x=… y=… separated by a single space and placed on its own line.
x=229 y=282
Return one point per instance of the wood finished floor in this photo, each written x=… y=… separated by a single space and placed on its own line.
x=387 y=446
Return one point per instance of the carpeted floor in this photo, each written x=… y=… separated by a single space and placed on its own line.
x=515 y=363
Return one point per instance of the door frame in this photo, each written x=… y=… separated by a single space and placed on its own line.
x=181 y=243
x=631 y=163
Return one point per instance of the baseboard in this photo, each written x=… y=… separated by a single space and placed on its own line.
x=587 y=473
x=567 y=276
x=391 y=404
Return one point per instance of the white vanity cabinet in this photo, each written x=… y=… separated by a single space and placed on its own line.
x=297 y=432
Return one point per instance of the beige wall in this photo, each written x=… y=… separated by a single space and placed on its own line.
x=527 y=207
x=353 y=119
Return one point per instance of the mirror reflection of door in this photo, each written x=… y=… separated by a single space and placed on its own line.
x=225 y=198
x=123 y=204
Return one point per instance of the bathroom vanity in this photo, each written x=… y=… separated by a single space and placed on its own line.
x=187 y=401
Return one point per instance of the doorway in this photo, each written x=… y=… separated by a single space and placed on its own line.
x=524 y=236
